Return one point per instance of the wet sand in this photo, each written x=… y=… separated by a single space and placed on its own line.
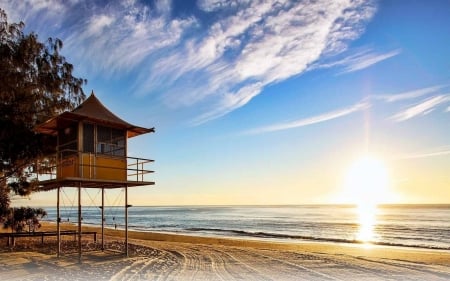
x=158 y=256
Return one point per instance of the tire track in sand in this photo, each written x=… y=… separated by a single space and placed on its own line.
x=151 y=264
x=132 y=271
x=268 y=261
x=199 y=264
x=249 y=271
x=208 y=263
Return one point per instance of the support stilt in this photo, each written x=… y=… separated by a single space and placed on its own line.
x=58 y=221
x=126 y=220
x=79 y=222
x=103 y=218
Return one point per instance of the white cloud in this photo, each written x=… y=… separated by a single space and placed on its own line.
x=31 y=11
x=97 y=24
x=221 y=64
x=51 y=5
x=125 y=36
x=358 y=61
x=440 y=151
x=311 y=120
x=262 y=43
x=164 y=6
x=409 y=94
x=214 y=5
x=103 y=38
x=349 y=25
x=423 y=108
x=364 y=61
x=229 y=103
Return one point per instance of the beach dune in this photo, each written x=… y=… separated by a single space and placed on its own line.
x=159 y=256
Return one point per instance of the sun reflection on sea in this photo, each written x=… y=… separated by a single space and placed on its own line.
x=367 y=184
x=367 y=219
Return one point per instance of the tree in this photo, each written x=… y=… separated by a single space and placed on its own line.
x=24 y=218
x=36 y=83
x=4 y=203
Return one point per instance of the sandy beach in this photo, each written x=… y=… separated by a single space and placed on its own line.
x=157 y=256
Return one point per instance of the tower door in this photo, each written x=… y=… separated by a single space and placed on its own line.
x=68 y=151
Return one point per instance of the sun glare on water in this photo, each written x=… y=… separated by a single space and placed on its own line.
x=367 y=185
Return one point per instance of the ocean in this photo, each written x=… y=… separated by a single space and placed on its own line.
x=420 y=226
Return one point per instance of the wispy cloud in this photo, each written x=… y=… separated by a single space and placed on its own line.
x=214 y=5
x=358 y=61
x=26 y=9
x=216 y=63
x=409 y=94
x=259 y=44
x=440 y=151
x=364 y=61
x=311 y=120
x=125 y=35
x=422 y=108
x=104 y=38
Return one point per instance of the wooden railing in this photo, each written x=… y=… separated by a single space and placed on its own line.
x=11 y=237
x=77 y=164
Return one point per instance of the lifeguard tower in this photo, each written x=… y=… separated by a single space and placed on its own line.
x=91 y=152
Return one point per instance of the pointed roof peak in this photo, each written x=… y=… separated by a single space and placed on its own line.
x=93 y=110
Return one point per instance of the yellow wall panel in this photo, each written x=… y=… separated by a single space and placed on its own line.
x=109 y=168
x=93 y=167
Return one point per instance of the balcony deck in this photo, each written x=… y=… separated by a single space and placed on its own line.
x=89 y=183
x=75 y=171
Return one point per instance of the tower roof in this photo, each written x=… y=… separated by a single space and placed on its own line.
x=94 y=111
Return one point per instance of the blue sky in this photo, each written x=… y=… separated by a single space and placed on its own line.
x=261 y=102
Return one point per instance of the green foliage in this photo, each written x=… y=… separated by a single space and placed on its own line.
x=24 y=219
x=4 y=202
x=36 y=83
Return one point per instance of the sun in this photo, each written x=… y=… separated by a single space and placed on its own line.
x=367 y=182
x=367 y=185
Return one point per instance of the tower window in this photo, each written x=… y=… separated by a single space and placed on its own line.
x=110 y=141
